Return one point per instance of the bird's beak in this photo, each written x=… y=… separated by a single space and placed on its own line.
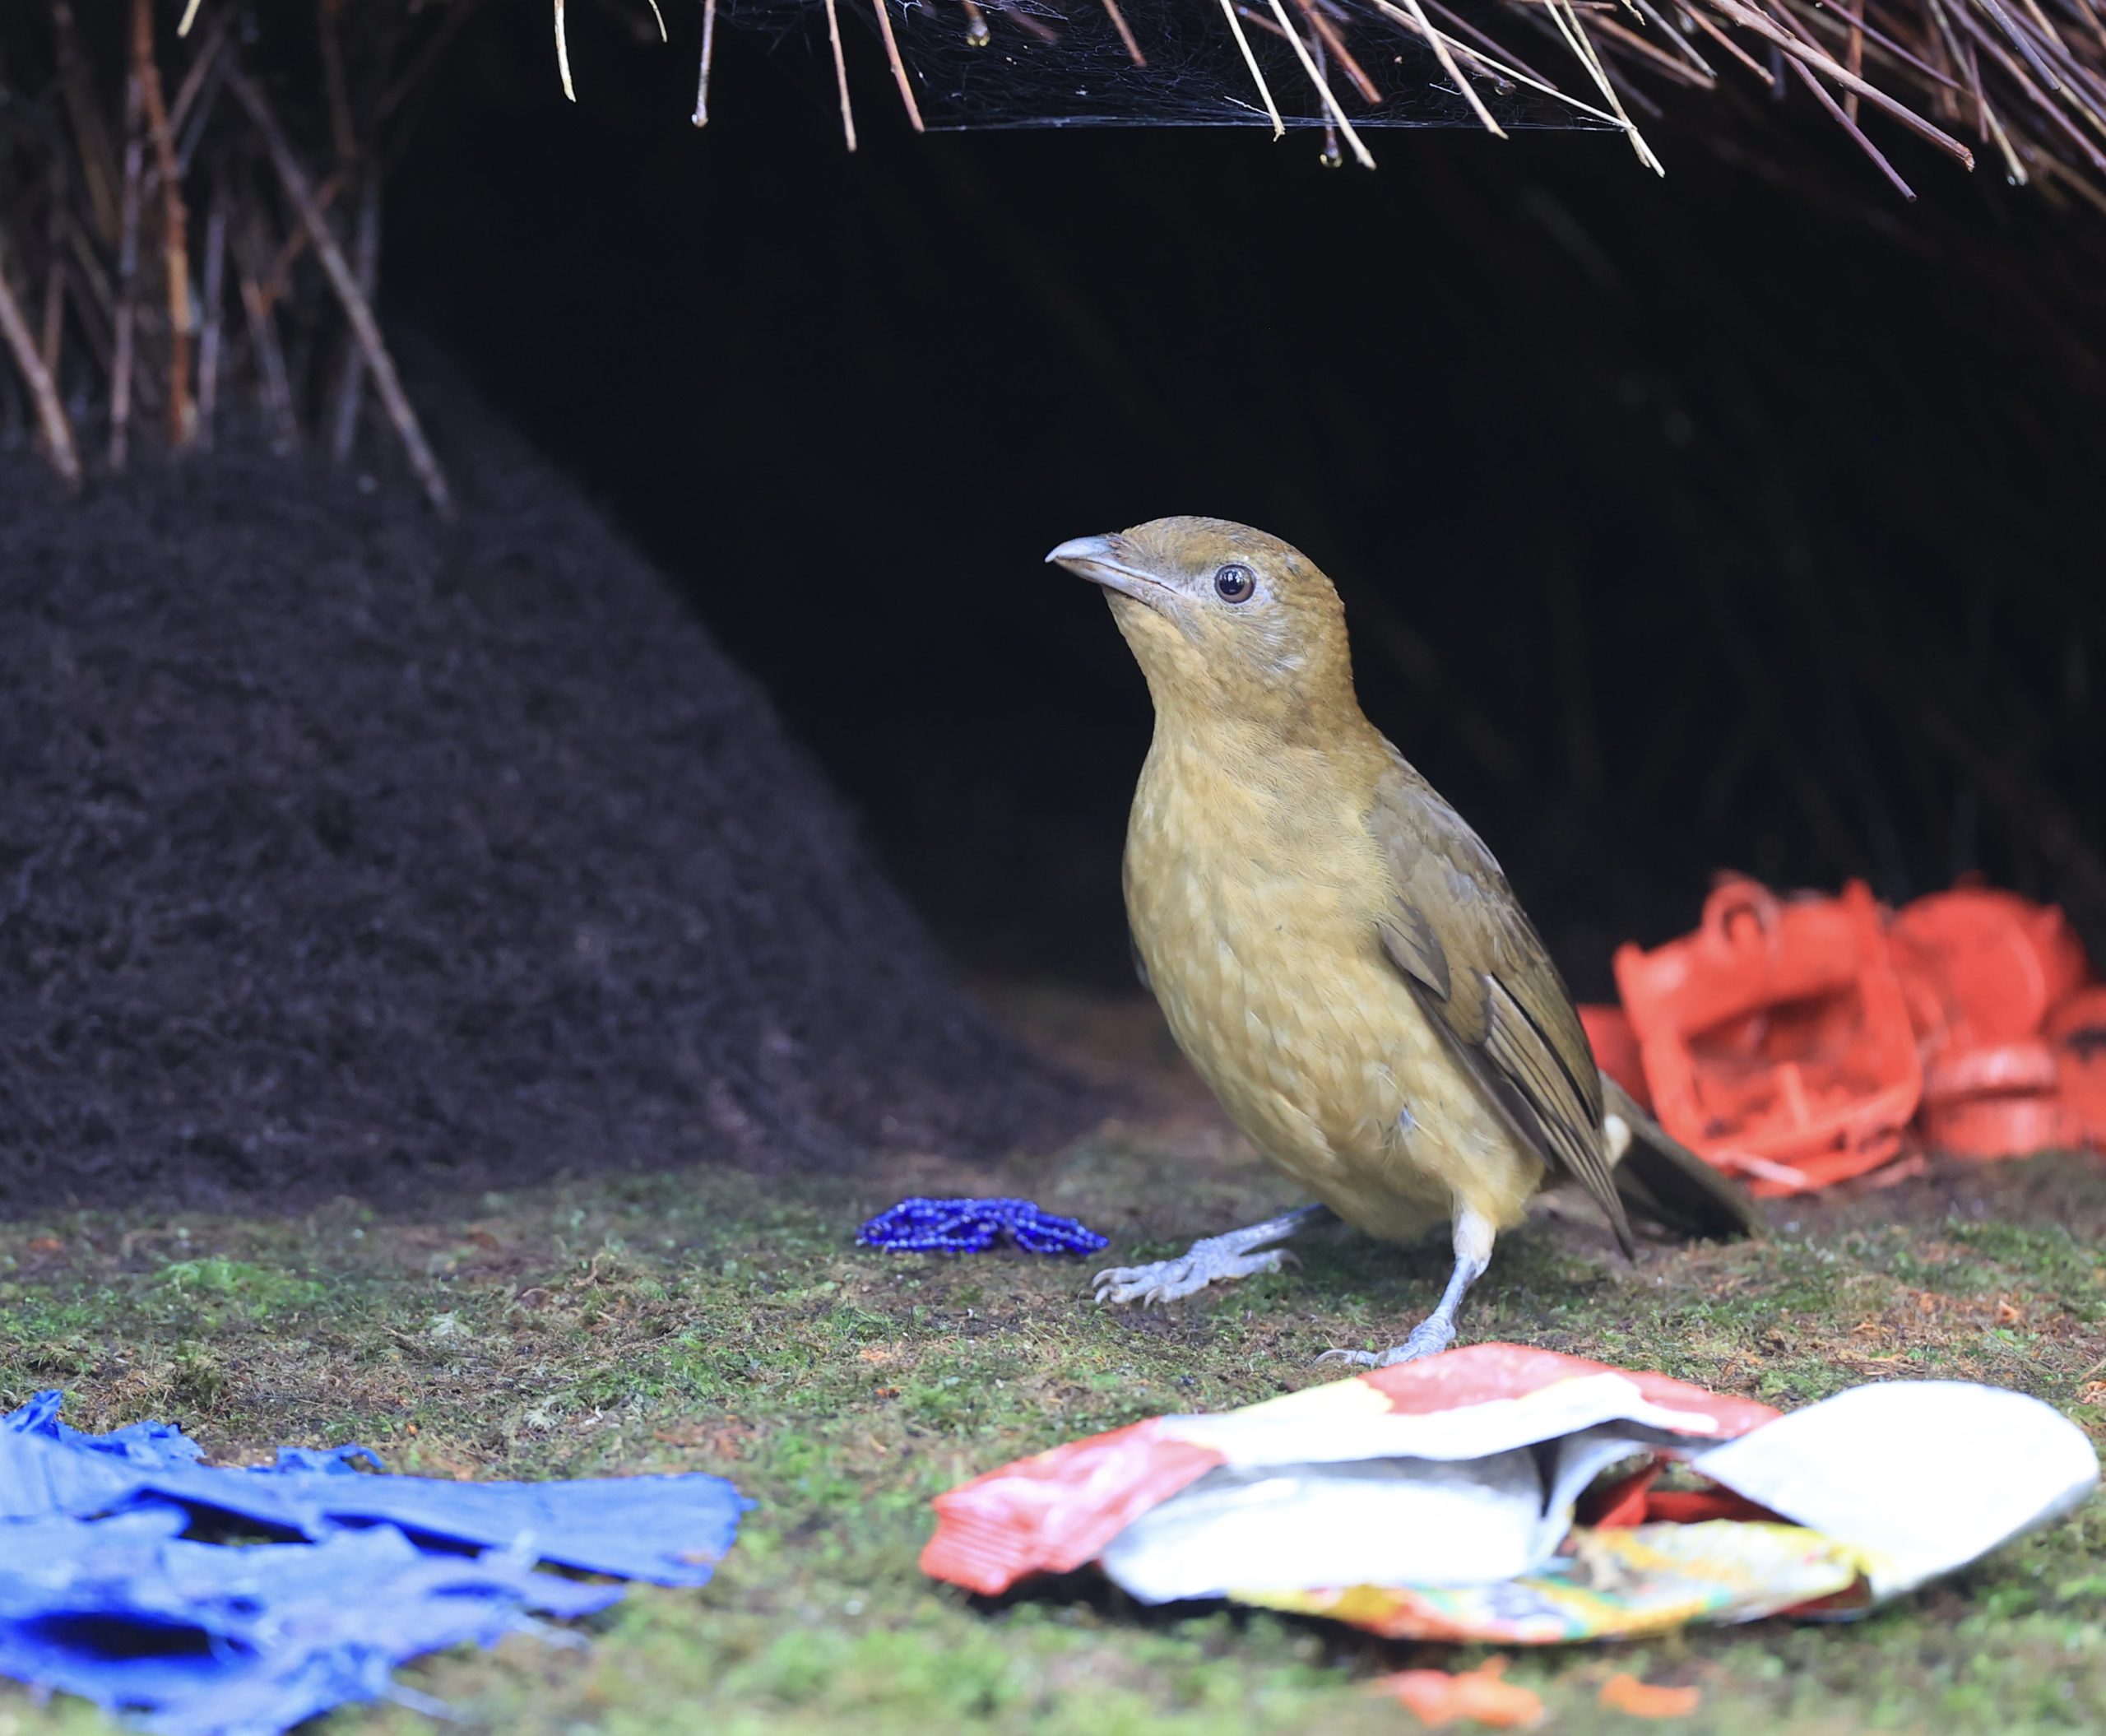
x=1098 y=559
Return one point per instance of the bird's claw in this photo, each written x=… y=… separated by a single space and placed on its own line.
x=1172 y=1280
x=1429 y=1338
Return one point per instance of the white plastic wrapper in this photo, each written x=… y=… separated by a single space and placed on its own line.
x=1919 y=1477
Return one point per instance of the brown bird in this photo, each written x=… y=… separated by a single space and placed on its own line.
x=1335 y=950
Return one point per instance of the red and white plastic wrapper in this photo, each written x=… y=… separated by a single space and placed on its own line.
x=1469 y=1496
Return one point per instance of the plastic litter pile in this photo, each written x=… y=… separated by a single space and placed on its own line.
x=130 y=1573
x=1799 y=1041
x=1520 y=1497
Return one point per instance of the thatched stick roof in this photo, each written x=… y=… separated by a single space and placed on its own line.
x=192 y=186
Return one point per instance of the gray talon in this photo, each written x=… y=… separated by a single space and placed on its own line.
x=1214 y=1261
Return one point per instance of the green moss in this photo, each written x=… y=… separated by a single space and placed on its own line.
x=706 y=1322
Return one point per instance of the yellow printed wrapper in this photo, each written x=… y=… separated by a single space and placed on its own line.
x=1616 y=1584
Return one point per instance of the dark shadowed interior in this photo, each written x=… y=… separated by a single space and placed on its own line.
x=1745 y=519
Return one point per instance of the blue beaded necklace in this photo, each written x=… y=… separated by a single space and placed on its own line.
x=920 y=1226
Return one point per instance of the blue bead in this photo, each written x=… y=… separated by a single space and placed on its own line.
x=923 y=1225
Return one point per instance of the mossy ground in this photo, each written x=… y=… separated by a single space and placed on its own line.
x=706 y=1320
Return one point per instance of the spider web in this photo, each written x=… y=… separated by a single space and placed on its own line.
x=1031 y=63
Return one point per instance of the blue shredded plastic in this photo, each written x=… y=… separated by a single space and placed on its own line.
x=920 y=1225
x=103 y=1594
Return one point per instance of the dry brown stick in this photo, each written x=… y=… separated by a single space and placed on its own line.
x=350 y=381
x=296 y=244
x=188 y=92
x=1445 y=56
x=213 y=293
x=1850 y=126
x=2084 y=86
x=1731 y=47
x=1024 y=21
x=1854 y=55
x=123 y=346
x=190 y=132
x=1334 y=46
x=1859 y=20
x=413 y=75
x=1125 y=33
x=840 y=72
x=333 y=85
x=175 y=247
x=898 y=67
x=701 y=116
x=251 y=253
x=1666 y=64
x=1682 y=47
x=1463 y=26
x=357 y=309
x=50 y=412
x=1771 y=31
x=2046 y=72
x=1969 y=69
x=54 y=272
x=98 y=172
x=2052 y=110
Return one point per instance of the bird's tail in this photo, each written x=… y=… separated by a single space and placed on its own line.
x=1659 y=1178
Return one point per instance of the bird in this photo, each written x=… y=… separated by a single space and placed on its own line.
x=1336 y=951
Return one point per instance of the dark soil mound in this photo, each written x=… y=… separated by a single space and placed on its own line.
x=345 y=850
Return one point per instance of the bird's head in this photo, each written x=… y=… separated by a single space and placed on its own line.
x=1223 y=619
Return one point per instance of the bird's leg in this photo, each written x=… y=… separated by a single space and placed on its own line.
x=1205 y=1262
x=1437 y=1332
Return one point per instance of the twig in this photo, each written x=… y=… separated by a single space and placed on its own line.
x=1030 y=25
x=899 y=69
x=251 y=253
x=840 y=73
x=1733 y=48
x=175 y=248
x=357 y=309
x=123 y=344
x=98 y=164
x=1454 y=72
x=54 y=271
x=213 y=293
x=1583 y=49
x=1850 y=126
x=1667 y=65
x=50 y=412
x=1498 y=68
x=192 y=87
x=1335 y=47
x=414 y=76
x=1772 y=32
x=1250 y=60
x=708 y=48
x=562 y=54
x=1323 y=88
x=1125 y=33
x=350 y=381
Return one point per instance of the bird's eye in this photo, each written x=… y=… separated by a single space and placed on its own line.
x=1234 y=584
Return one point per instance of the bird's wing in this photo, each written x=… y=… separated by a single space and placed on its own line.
x=1469 y=953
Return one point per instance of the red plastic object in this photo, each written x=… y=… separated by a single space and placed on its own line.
x=1615 y=1045
x=2077 y=1029
x=1982 y=968
x=1776 y=1037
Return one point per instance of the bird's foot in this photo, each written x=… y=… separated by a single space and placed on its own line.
x=1214 y=1260
x=1429 y=1338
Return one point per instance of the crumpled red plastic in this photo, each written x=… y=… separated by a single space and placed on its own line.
x=1801 y=1041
